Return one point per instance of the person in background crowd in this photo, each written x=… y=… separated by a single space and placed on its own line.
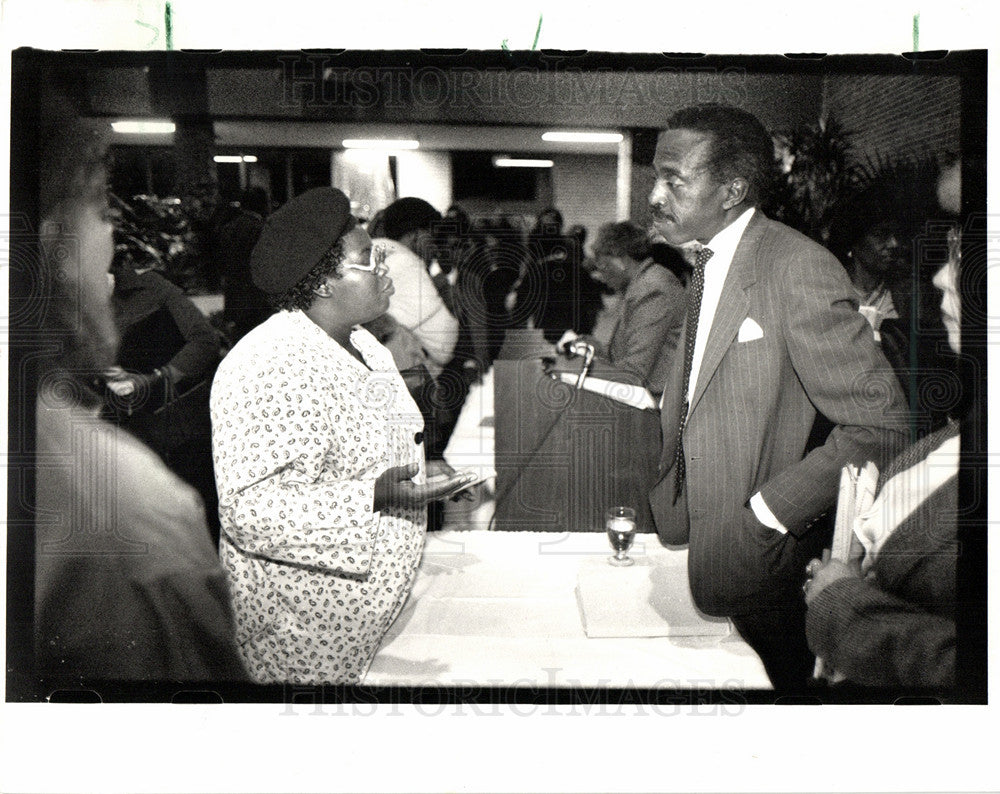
x=548 y=289
x=244 y=306
x=417 y=305
x=868 y=243
x=872 y=233
x=158 y=390
x=887 y=618
x=611 y=305
x=318 y=455
x=418 y=329
x=504 y=251
x=127 y=584
x=590 y=291
x=467 y=264
x=644 y=339
x=771 y=337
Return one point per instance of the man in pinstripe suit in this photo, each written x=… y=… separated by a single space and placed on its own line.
x=772 y=336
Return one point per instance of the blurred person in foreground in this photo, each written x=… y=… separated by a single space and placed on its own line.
x=127 y=584
x=318 y=455
x=887 y=618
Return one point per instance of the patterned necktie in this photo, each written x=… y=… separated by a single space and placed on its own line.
x=695 y=290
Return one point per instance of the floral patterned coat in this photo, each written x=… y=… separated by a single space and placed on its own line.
x=300 y=432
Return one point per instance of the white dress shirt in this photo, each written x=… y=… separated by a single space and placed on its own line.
x=723 y=247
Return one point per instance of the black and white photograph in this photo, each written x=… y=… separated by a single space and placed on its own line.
x=486 y=381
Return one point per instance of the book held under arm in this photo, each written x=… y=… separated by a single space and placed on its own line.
x=855 y=497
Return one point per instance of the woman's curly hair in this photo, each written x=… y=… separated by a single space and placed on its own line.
x=301 y=296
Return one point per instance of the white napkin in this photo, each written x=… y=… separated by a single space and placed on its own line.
x=648 y=599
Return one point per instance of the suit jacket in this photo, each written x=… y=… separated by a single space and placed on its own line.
x=646 y=336
x=897 y=626
x=752 y=410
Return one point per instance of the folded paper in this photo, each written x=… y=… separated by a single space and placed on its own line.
x=625 y=393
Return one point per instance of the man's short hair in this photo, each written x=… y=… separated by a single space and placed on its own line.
x=740 y=146
x=407 y=215
x=623 y=239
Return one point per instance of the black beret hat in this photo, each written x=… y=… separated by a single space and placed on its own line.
x=295 y=237
x=408 y=214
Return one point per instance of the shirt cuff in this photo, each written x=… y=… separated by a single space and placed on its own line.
x=764 y=514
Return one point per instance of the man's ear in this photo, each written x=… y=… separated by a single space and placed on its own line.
x=323 y=290
x=736 y=192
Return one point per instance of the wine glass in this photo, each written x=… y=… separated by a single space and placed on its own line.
x=620 y=524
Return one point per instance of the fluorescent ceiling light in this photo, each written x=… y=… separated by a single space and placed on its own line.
x=379 y=143
x=516 y=162
x=249 y=158
x=583 y=137
x=235 y=158
x=140 y=127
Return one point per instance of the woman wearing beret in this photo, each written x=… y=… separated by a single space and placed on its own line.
x=318 y=456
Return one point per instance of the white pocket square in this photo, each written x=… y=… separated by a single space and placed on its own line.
x=750 y=331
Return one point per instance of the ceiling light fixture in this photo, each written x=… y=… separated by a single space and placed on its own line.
x=235 y=158
x=583 y=137
x=379 y=143
x=516 y=162
x=137 y=127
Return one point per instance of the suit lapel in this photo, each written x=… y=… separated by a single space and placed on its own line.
x=733 y=304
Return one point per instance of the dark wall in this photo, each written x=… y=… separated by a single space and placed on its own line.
x=899 y=115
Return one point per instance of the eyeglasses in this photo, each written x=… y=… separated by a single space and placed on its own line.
x=375 y=264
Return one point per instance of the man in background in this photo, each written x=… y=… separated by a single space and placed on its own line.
x=651 y=312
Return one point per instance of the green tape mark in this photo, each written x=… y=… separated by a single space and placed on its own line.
x=916 y=32
x=156 y=31
x=168 y=24
x=504 y=45
x=538 y=32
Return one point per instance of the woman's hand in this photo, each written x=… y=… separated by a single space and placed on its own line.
x=395 y=487
x=825 y=572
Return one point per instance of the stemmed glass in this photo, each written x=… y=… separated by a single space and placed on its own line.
x=620 y=524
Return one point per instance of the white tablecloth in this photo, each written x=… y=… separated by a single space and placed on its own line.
x=500 y=609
